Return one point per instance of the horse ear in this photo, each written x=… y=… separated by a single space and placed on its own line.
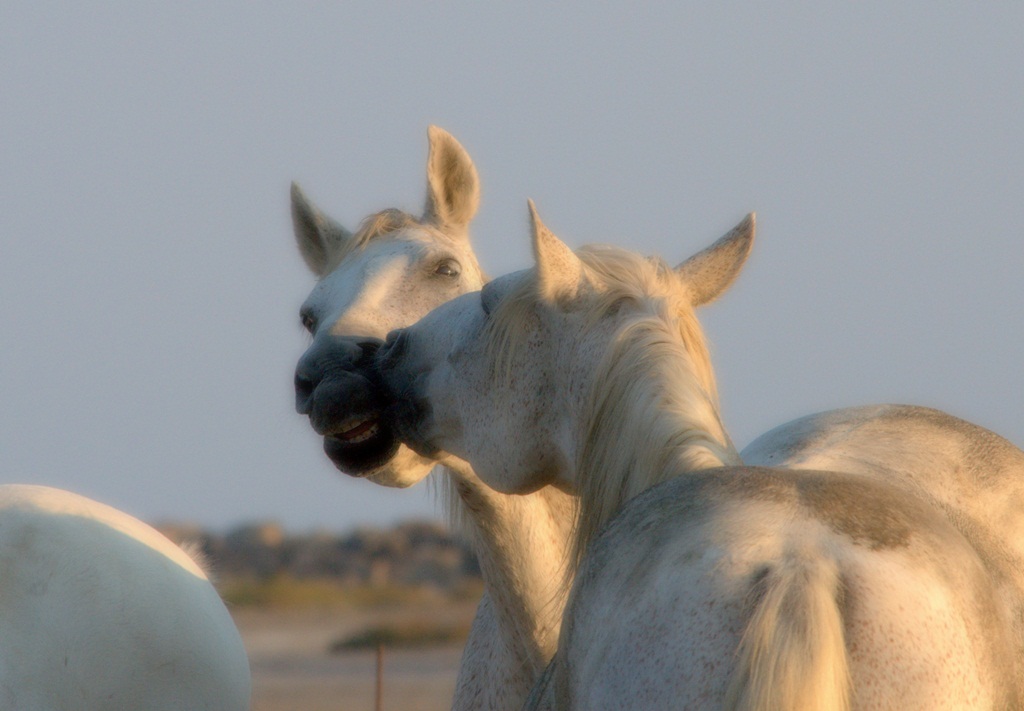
x=559 y=270
x=709 y=273
x=318 y=236
x=453 y=189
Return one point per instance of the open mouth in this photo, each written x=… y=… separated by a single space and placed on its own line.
x=358 y=430
x=361 y=445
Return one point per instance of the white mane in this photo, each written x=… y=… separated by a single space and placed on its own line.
x=652 y=412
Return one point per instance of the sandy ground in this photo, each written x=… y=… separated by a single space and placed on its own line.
x=293 y=670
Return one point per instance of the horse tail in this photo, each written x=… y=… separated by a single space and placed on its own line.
x=793 y=653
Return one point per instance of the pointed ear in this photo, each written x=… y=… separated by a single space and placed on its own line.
x=559 y=270
x=709 y=273
x=453 y=189
x=318 y=236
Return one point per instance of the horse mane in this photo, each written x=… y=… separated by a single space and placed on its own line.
x=445 y=490
x=372 y=227
x=652 y=412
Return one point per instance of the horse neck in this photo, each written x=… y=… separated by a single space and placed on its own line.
x=521 y=542
x=651 y=415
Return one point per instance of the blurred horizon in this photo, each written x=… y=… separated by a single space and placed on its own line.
x=150 y=285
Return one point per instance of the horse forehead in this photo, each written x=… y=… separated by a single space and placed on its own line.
x=379 y=265
x=419 y=240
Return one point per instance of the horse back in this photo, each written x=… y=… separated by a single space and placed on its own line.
x=960 y=465
x=677 y=585
x=99 y=611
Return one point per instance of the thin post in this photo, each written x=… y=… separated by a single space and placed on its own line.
x=379 y=705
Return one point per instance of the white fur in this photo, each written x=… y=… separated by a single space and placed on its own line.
x=573 y=378
x=780 y=666
x=372 y=281
x=98 y=611
x=370 y=286
x=975 y=475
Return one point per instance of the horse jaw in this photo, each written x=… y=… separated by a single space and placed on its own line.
x=404 y=469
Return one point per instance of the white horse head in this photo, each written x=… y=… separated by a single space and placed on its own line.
x=388 y=273
x=535 y=359
x=492 y=365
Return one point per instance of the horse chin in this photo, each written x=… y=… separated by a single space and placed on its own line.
x=382 y=460
x=405 y=469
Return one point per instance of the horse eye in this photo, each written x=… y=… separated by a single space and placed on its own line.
x=447 y=268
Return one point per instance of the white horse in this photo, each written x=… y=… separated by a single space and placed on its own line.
x=388 y=275
x=974 y=475
x=98 y=611
x=715 y=585
x=385 y=275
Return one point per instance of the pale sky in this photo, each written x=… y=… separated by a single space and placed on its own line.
x=149 y=282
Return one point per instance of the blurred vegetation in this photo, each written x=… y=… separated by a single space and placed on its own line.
x=260 y=564
x=409 y=635
x=286 y=591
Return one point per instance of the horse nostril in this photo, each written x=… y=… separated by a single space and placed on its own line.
x=369 y=349
x=304 y=387
x=392 y=349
